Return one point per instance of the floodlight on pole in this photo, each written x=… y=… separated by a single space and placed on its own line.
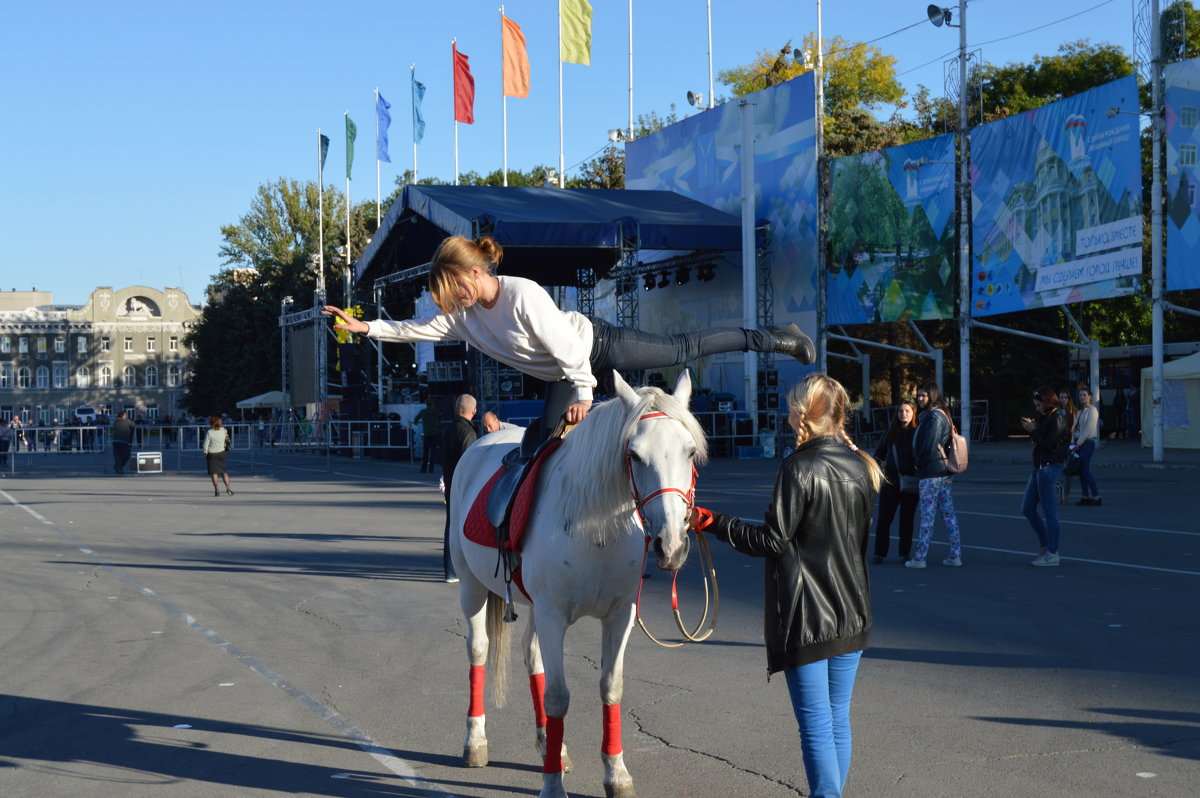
x=939 y=16
x=695 y=99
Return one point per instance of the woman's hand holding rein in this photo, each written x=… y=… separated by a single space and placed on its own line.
x=577 y=410
x=345 y=320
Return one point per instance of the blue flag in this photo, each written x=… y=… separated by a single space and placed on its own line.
x=324 y=149
x=385 y=120
x=418 y=94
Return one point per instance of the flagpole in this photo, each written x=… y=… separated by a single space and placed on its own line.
x=378 y=198
x=561 y=159
x=503 y=104
x=320 y=220
x=412 y=76
x=630 y=70
x=454 y=75
x=346 y=281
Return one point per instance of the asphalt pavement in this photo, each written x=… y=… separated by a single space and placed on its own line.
x=296 y=639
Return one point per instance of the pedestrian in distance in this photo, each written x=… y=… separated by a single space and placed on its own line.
x=1051 y=436
x=1085 y=437
x=899 y=490
x=430 y=420
x=1068 y=407
x=1120 y=404
x=818 y=598
x=6 y=435
x=492 y=423
x=514 y=321
x=934 y=492
x=456 y=437
x=217 y=443
x=122 y=441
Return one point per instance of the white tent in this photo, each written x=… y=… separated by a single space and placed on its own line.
x=268 y=399
x=1181 y=404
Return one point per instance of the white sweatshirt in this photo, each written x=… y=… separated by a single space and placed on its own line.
x=524 y=330
x=1087 y=426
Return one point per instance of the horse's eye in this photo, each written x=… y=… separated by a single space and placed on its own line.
x=691 y=454
x=635 y=457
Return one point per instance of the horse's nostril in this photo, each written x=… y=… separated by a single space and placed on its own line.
x=658 y=547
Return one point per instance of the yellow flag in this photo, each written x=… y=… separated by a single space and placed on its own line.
x=575 y=31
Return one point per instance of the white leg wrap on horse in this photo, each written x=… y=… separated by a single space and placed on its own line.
x=617 y=781
x=475 y=748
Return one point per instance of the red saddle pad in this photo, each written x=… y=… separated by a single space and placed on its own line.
x=479 y=529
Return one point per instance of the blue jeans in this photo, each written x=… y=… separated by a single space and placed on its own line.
x=1042 y=488
x=1086 y=480
x=821 y=700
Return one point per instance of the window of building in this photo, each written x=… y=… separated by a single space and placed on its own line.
x=128 y=343
x=60 y=344
x=5 y=375
x=151 y=376
x=24 y=376
x=151 y=344
x=1187 y=154
x=105 y=343
x=5 y=344
x=129 y=377
x=60 y=375
x=60 y=415
x=23 y=345
x=83 y=377
x=42 y=377
x=1188 y=115
x=174 y=375
x=41 y=344
x=81 y=345
x=152 y=412
x=43 y=416
x=104 y=377
x=173 y=343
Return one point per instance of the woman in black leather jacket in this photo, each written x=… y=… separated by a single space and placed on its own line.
x=1051 y=436
x=818 y=598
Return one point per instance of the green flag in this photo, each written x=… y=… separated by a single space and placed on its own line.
x=575 y=31
x=351 y=132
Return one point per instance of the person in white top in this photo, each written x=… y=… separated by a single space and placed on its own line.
x=516 y=322
x=1084 y=438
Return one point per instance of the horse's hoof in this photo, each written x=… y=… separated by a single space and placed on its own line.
x=475 y=756
x=619 y=791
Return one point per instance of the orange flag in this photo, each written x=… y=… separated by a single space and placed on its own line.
x=516 y=62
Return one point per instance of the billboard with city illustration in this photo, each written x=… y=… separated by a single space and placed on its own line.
x=1057 y=203
x=892 y=234
x=1182 y=97
x=699 y=157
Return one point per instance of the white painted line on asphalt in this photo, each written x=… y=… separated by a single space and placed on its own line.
x=361 y=739
x=1088 y=523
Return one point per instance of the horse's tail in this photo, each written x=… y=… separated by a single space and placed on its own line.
x=499 y=643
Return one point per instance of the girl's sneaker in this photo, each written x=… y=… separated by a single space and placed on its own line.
x=1044 y=559
x=954 y=562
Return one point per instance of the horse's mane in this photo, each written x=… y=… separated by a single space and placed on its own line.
x=595 y=495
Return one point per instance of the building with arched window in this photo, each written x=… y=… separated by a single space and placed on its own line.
x=55 y=358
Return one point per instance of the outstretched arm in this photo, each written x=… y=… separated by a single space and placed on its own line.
x=345 y=320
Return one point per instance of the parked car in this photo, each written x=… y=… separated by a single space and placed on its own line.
x=85 y=414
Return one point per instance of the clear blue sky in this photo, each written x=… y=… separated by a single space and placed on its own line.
x=133 y=130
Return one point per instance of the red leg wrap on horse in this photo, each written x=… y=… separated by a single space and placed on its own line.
x=554 y=738
x=477 y=679
x=537 y=689
x=612 y=730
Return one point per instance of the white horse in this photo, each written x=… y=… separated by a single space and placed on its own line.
x=582 y=555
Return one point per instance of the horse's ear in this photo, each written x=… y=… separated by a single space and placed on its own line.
x=683 y=388
x=624 y=392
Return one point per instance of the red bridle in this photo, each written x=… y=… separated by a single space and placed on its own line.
x=689 y=496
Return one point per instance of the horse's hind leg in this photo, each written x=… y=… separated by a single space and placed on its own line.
x=551 y=630
x=473 y=597
x=616 y=626
x=537 y=690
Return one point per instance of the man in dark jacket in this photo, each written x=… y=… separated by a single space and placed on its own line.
x=456 y=437
x=122 y=441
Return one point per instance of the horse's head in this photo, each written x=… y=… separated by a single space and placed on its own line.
x=663 y=442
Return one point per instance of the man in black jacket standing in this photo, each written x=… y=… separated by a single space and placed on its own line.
x=456 y=437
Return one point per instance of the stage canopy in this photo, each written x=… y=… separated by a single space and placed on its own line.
x=548 y=234
x=270 y=399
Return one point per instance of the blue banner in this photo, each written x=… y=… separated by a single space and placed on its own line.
x=383 y=120
x=892 y=234
x=1182 y=82
x=1057 y=203
x=418 y=94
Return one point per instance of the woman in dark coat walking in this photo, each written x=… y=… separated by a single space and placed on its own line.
x=1051 y=436
x=895 y=453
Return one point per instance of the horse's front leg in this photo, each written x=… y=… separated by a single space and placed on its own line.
x=616 y=627
x=473 y=597
x=551 y=630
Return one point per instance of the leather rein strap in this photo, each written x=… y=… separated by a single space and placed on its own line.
x=689 y=498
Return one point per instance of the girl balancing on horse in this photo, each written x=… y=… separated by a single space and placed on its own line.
x=514 y=321
x=818 y=602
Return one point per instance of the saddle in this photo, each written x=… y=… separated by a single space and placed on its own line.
x=500 y=512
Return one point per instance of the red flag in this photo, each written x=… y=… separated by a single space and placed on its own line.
x=515 y=61
x=464 y=88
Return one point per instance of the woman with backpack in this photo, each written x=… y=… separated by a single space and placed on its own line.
x=929 y=446
x=1051 y=436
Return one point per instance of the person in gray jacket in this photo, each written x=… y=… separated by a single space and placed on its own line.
x=813 y=540
x=929 y=446
x=122 y=441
